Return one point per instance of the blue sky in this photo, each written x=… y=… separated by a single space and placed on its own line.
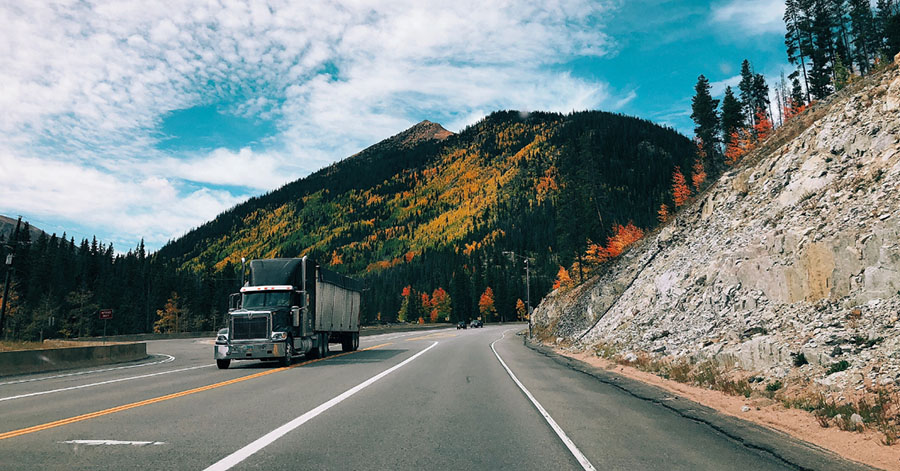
x=133 y=119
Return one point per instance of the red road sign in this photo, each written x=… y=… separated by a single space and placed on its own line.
x=106 y=313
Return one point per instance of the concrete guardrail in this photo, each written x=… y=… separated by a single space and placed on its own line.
x=52 y=359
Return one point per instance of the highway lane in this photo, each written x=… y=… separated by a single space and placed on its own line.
x=444 y=401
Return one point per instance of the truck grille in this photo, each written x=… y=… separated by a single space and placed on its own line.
x=250 y=328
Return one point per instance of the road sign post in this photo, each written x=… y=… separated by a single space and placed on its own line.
x=105 y=314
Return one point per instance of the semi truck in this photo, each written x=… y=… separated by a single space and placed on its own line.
x=289 y=307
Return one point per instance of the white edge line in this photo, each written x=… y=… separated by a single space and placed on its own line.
x=41 y=393
x=43 y=378
x=233 y=459
x=582 y=460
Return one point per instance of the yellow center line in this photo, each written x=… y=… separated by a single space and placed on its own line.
x=436 y=335
x=79 y=418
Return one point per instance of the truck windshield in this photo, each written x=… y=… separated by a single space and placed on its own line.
x=267 y=299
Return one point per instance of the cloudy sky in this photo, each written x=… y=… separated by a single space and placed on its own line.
x=142 y=119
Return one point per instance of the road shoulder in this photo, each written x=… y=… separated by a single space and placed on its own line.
x=785 y=447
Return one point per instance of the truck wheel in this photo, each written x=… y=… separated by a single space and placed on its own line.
x=347 y=342
x=321 y=349
x=288 y=353
x=355 y=336
x=223 y=364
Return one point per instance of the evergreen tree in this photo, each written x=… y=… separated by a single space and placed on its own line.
x=865 y=40
x=797 y=39
x=760 y=95
x=746 y=86
x=797 y=95
x=820 y=76
x=888 y=28
x=705 y=116
x=732 y=115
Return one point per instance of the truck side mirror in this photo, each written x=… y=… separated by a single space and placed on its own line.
x=234 y=301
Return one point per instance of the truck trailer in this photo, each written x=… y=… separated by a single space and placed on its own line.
x=289 y=307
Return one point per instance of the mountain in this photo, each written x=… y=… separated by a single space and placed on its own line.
x=431 y=209
x=8 y=227
x=793 y=256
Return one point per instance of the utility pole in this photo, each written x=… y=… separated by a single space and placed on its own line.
x=528 y=296
x=527 y=287
x=9 y=262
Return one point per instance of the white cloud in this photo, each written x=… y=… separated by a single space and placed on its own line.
x=751 y=16
x=86 y=85
x=717 y=89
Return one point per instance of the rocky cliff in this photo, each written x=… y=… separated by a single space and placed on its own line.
x=796 y=250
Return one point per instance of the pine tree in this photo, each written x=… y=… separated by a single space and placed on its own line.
x=705 y=116
x=732 y=115
x=797 y=38
x=841 y=75
x=888 y=26
x=820 y=76
x=747 y=88
x=865 y=40
x=797 y=94
x=760 y=95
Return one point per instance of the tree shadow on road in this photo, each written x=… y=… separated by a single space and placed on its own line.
x=365 y=356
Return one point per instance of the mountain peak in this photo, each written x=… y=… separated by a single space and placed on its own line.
x=422 y=131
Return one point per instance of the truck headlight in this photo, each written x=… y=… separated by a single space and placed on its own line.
x=278 y=336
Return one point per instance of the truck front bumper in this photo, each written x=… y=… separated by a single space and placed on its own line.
x=249 y=351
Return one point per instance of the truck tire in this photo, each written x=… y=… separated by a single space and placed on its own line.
x=321 y=350
x=223 y=364
x=347 y=342
x=355 y=336
x=288 y=353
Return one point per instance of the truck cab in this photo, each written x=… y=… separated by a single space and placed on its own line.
x=277 y=315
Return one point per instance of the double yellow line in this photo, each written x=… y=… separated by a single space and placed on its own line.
x=113 y=410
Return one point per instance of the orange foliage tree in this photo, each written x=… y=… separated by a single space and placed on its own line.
x=408 y=308
x=663 y=213
x=563 y=280
x=440 y=305
x=521 y=311
x=680 y=191
x=622 y=237
x=171 y=317
x=741 y=142
x=699 y=175
x=791 y=109
x=763 y=127
x=486 y=304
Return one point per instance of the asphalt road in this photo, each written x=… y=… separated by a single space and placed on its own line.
x=414 y=400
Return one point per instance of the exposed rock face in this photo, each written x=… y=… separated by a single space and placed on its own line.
x=796 y=250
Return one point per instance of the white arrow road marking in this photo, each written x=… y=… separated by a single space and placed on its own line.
x=41 y=393
x=233 y=459
x=582 y=460
x=169 y=358
x=111 y=442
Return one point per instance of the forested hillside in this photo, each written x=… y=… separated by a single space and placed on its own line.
x=431 y=210
x=424 y=217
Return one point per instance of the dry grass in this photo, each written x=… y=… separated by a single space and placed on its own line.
x=877 y=406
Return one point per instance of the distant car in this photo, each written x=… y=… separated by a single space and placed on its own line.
x=477 y=323
x=460 y=325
